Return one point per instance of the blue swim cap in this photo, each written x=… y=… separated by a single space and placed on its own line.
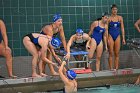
x=56 y=17
x=71 y=74
x=55 y=42
x=79 y=31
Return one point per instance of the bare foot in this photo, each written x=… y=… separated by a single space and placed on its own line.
x=35 y=75
x=113 y=69
x=55 y=74
x=43 y=75
x=13 y=77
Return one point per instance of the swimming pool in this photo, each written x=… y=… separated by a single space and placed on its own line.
x=125 y=88
x=112 y=89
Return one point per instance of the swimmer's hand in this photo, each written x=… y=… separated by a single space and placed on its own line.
x=64 y=62
x=65 y=59
x=67 y=56
x=7 y=49
x=88 y=47
x=123 y=41
x=106 y=49
x=58 y=59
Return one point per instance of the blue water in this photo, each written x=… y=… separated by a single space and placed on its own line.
x=112 y=89
x=125 y=88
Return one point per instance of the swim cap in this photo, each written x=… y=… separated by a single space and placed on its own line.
x=71 y=74
x=56 y=17
x=55 y=42
x=79 y=31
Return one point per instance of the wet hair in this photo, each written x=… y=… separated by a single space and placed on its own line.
x=113 y=6
x=104 y=14
x=99 y=19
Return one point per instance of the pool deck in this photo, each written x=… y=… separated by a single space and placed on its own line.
x=51 y=83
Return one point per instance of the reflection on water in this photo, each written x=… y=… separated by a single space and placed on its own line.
x=124 y=88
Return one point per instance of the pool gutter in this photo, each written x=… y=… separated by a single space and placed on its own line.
x=52 y=83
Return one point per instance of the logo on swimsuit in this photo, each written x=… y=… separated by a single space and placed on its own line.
x=101 y=31
x=115 y=25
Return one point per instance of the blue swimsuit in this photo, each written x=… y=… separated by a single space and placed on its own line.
x=114 y=29
x=34 y=40
x=98 y=34
x=0 y=37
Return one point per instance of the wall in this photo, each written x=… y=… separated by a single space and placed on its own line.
x=26 y=16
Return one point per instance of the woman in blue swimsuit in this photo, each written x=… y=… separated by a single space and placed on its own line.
x=36 y=42
x=99 y=31
x=116 y=25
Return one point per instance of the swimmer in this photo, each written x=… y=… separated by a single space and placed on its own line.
x=116 y=26
x=99 y=33
x=35 y=42
x=68 y=77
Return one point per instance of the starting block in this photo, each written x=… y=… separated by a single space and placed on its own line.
x=83 y=71
x=85 y=60
x=84 y=55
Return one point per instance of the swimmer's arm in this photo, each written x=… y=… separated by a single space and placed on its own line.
x=106 y=28
x=3 y=32
x=69 y=43
x=56 y=57
x=44 y=53
x=68 y=46
x=122 y=28
x=52 y=51
x=137 y=25
x=106 y=36
x=91 y=28
x=62 y=36
x=63 y=77
x=88 y=38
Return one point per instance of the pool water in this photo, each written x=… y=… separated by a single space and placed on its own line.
x=125 y=88
x=113 y=89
